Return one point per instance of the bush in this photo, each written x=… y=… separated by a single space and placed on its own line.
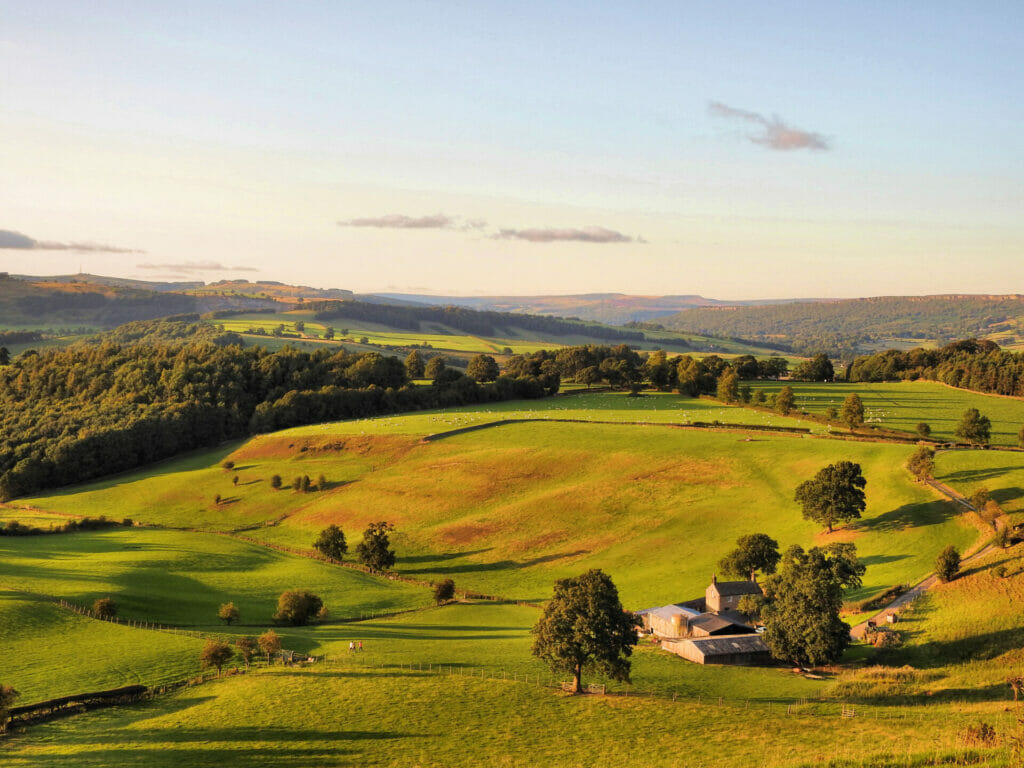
x=947 y=564
x=228 y=465
x=275 y=482
x=923 y=430
x=1000 y=571
x=104 y=608
x=444 y=591
x=981 y=734
x=297 y=607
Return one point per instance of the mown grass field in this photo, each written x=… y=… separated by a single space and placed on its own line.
x=181 y=578
x=1002 y=473
x=903 y=405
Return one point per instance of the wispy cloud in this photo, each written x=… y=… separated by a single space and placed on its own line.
x=582 y=235
x=773 y=132
x=197 y=266
x=18 y=241
x=400 y=221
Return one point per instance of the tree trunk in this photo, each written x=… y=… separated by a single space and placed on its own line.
x=577 y=682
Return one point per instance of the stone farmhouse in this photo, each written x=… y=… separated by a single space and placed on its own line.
x=710 y=629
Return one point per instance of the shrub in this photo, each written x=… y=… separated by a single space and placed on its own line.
x=923 y=430
x=275 y=482
x=1000 y=571
x=104 y=608
x=980 y=734
x=228 y=465
x=444 y=591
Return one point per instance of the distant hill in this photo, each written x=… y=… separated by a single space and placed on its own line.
x=844 y=327
x=612 y=308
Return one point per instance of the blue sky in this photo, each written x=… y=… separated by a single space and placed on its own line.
x=737 y=150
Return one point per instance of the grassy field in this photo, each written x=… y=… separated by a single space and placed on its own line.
x=182 y=578
x=1001 y=473
x=903 y=405
x=390 y=717
x=507 y=510
x=51 y=652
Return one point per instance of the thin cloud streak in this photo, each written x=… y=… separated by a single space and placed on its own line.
x=774 y=134
x=582 y=235
x=197 y=266
x=401 y=221
x=10 y=239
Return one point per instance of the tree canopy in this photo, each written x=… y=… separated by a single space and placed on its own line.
x=974 y=428
x=947 y=564
x=331 y=543
x=804 y=598
x=297 y=607
x=585 y=627
x=482 y=368
x=785 y=401
x=852 y=412
x=834 y=495
x=228 y=613
x=375 y=548
x=754 y=552
x=215 y=654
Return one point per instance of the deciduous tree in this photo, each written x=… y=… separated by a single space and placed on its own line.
x=375 y=548
x=482 y=368
x=784 y=400
x=7 y=697
x=834 y=495
x=585 y=627
x=804 y=598
x=331 y=543
x=434 y=367
x=296 y=607
x=215 y=654
x=228 y=613
x=923 y=430
x=269 y=642
x=947 y=564
x=922 y=462
x=246 y=648
x=414 y=365
x=852 y=412
x=973 y=427
x=754 y=552
x=728 y=387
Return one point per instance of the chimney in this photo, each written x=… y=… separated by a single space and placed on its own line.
x=753 y=575
x=714 y=578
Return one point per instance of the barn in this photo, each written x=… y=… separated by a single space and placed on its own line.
x=746 y=650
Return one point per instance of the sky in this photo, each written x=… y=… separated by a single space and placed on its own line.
x=733 y=150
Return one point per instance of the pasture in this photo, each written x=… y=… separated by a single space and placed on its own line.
x=902 y=405
x=180 y=578
x=402 y=717
x=507 y=510
x=50 y=652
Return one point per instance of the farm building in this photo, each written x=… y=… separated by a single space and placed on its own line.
x=730 y=649
x=709 y=630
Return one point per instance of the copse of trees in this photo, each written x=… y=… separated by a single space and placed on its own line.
x=818 y=368
x=74 y=414
x=970 y=364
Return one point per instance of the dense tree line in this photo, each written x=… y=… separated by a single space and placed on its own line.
x=68 y=415
x=464 y=319
x=970 y=364
x=844 y=328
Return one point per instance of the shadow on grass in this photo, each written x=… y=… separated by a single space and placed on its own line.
x=442 y=557
x=499 y=565
x=976 y=475
x=916 y=515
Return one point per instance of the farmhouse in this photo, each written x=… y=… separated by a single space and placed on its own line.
x=710 y=630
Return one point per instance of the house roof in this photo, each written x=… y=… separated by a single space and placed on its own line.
x=729 y=588
x=724 y=645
